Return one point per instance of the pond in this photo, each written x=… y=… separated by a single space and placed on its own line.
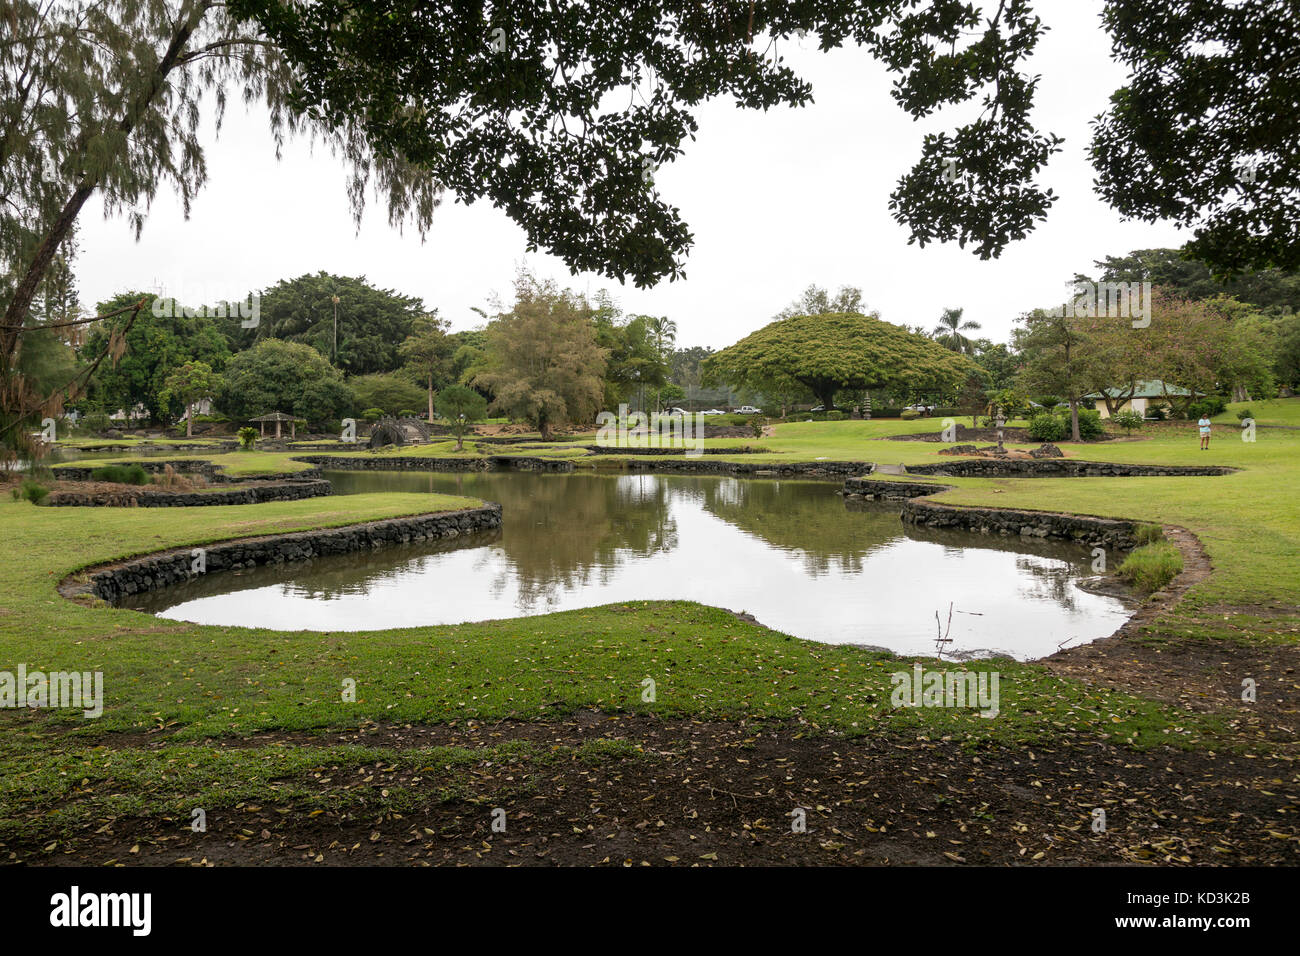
x=793 y=554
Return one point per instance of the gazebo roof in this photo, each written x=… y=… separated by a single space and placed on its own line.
x=274 y=417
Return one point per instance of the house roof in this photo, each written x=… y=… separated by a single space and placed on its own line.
x=273 y=417
x=1154 y=388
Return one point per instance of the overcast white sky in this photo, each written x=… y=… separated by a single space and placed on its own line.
x=775 y=201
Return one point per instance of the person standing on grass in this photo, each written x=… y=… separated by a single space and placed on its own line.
x=1204 y=426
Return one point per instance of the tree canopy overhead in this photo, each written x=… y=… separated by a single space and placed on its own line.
x=559 y=114
x=1204 y=132
x=826 y=353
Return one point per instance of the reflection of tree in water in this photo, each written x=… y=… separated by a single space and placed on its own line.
x=558 y=531
x=804 y=517
x=332 y=576
x=1041 y=579
x=561 y=532
x=1048 y=581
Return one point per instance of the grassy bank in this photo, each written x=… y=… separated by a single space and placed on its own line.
x=177 y=693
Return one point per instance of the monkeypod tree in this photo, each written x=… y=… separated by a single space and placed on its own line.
x=826 y=353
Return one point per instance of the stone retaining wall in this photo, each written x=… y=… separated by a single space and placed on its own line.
x=745 y=469
x=1058 y=468
x=147 y=497
x=1109 y=533
x=400 y=463
x=875 y=488
x=612 y=450
x=172 y=567
x=185 y=466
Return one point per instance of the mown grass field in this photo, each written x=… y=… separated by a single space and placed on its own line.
x=176 y=693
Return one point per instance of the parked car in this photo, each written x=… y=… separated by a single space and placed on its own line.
x=713 y=411
x=674 y=412
x=748 y=410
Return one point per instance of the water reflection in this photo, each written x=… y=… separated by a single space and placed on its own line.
x=792 y=553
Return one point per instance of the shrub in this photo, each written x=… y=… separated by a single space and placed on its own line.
x=1046 y=427
x=407 y=413
x=1207 y=407
x=133 y=474
x=1152 y=566
x=96 y=422
x=1089 y=424
x=908 y=414
x=835 y=416
x=1244 y=414
x=32 y=491
x=757 y=424
x=247 y=437
x=1127 y=420
x=373 y=414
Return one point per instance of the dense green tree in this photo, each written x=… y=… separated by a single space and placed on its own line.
x=1208 y=346
x=1204 y=131
x=372 y=323
x=321 y=402
x=635 y=365
x=161 y=339
x=461 y=407
x=188 y=384
x=528 y=106
x=543 y=363
x=1272 y=291
x=826 y=353
x=279 y=376
x=1286 y=351
x=468 y=350
x=392 y=392
x=815 y=300
x=997 y=359
x=427 y=352
x=1058 y=359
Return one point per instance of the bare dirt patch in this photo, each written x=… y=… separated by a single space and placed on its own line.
x=724 y=792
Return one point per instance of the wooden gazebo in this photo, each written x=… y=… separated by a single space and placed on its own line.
x=279 y=418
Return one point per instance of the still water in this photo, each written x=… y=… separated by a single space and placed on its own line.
x=793 y=554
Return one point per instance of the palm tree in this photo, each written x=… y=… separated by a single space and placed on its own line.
x=664 y=332
x=948 y=331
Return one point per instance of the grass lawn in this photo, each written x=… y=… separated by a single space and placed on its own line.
x=224 y=717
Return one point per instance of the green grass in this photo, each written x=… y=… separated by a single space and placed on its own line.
x=190 y=683
x=1278 y=411
x=237 y=464
x=1152 y=566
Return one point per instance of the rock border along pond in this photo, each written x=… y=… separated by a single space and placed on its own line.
x=158 y=570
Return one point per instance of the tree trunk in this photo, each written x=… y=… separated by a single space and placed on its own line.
x=431 y=399
x=1074 y=419
x=25 y=291
x=189 y=419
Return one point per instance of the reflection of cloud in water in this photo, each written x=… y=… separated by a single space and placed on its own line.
x=789 y=552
